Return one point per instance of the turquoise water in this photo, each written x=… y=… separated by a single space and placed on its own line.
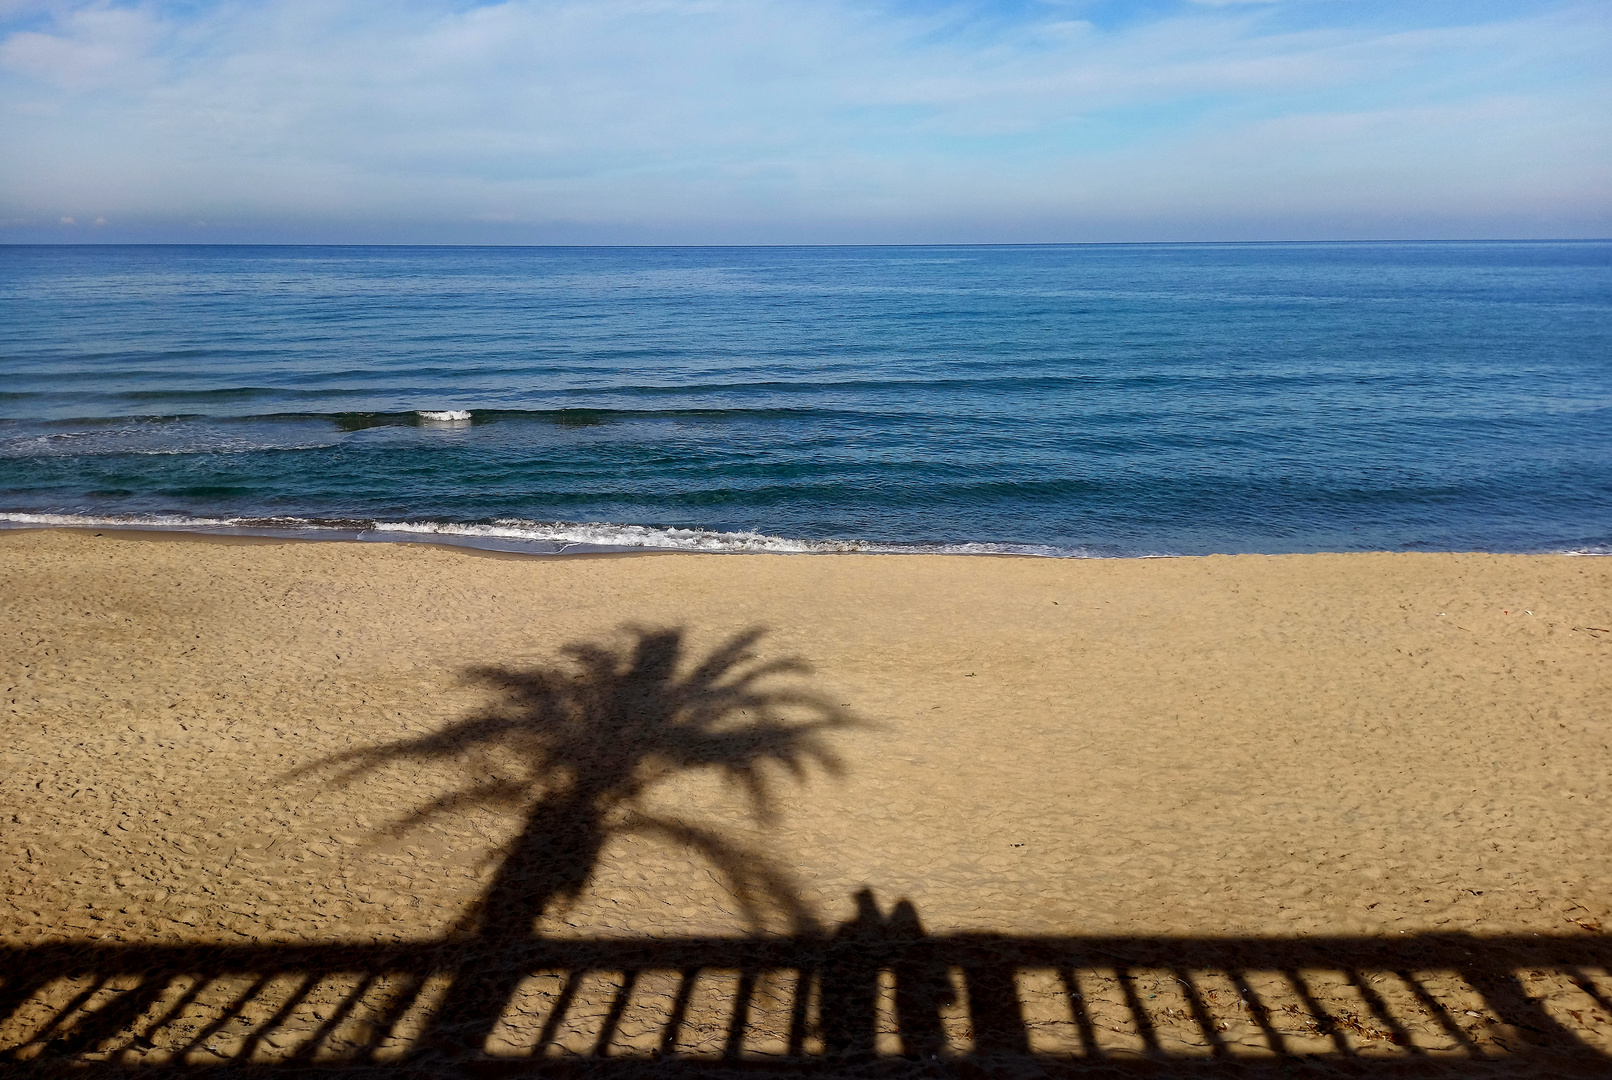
x=1119 y=400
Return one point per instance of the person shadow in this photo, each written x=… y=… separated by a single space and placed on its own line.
x=577 y=749
x=862 y=947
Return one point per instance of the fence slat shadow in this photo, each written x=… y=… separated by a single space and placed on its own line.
x=878 y=998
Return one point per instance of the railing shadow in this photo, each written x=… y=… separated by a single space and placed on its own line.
x=878 y=997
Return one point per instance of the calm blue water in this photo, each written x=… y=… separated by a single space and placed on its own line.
x=1085 y=400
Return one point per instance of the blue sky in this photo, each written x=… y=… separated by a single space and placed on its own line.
x=803 y=121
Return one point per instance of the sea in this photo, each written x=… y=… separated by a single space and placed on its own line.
x=1080 y=400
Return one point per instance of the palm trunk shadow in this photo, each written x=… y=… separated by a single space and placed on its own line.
x=549 y=864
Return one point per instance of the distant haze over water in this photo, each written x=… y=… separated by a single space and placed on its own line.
x=1102 y=400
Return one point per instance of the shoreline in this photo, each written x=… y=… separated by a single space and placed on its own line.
x=320 y=533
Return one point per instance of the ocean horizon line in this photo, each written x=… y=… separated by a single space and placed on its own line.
x=986 y=244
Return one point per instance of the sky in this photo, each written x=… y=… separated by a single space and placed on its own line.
x=803 y=121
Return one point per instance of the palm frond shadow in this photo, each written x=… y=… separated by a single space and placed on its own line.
x=578 y=748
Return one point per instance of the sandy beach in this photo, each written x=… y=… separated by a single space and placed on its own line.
x=1249 y=746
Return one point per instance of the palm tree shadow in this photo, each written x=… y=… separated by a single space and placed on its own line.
x=578 y=749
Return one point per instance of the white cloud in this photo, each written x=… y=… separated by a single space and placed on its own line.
x=87 y=48
x=699 y=115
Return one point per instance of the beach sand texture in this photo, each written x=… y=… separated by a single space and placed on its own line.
x=1228 y=747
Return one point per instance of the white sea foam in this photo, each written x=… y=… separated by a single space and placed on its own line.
x=602 y=536
x=513 y=534
x=444 y=416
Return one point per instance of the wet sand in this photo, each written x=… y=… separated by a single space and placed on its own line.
x=1223 y=746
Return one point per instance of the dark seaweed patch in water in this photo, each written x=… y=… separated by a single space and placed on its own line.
x=579 y=417
x=364 y=421
x=208 y=491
